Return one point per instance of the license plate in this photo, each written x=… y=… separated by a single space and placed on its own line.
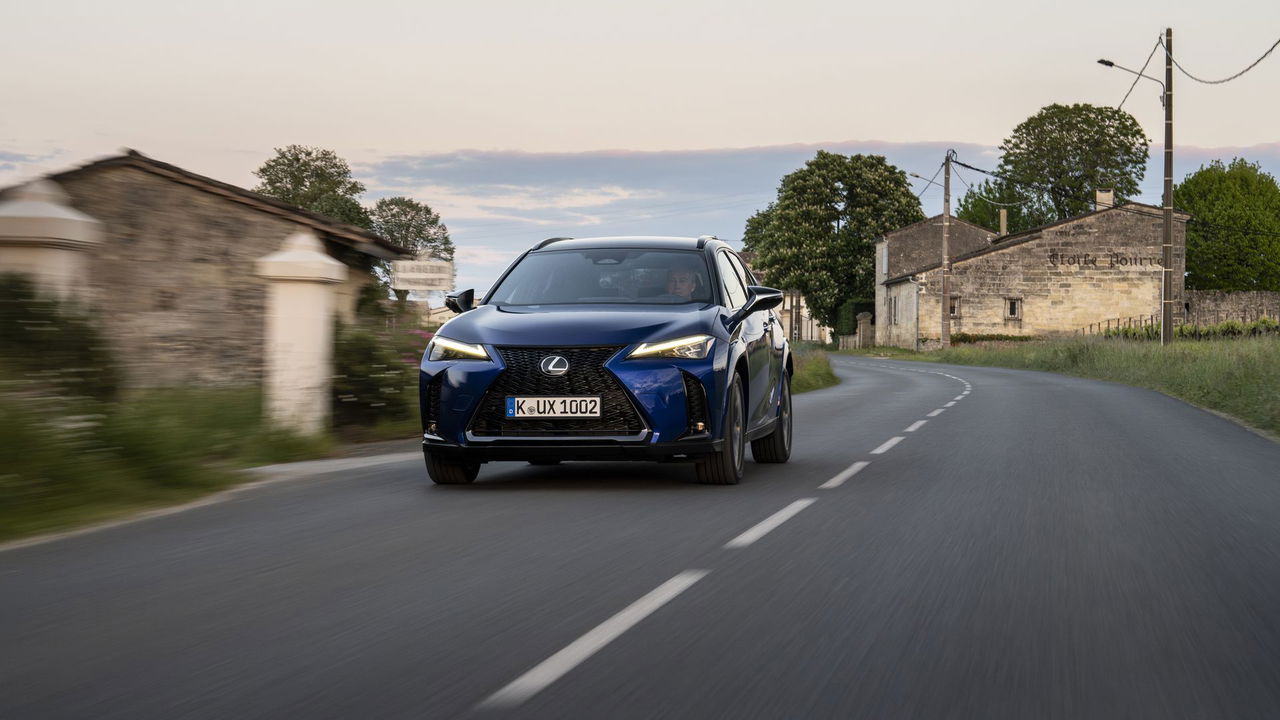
x=549 y=406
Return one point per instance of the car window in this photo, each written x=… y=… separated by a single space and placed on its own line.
x=735 y=291
x=606 y=276
x=743 y=272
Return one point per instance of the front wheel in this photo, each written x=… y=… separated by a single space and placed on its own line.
x=725 y=467
x=776 y=447
x=449 y=473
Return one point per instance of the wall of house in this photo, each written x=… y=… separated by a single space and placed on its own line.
x=920 y=245
x=173 y=280
x=900 y=321
x=1104 y=265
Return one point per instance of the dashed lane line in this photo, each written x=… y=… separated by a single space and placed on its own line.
x=915 y=426
x=764 y=527
x=553 y=668
x=937 y=412
x=845 y=474
x=888 y=445
x=953 y=402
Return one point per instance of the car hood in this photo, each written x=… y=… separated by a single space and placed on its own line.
x=550 y=325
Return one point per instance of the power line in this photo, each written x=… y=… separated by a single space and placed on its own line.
x=1226 y=79
x=969 y=189
x=928 y=182
x=1138 y=77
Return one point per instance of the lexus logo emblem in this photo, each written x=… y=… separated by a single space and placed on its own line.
x=554 y=365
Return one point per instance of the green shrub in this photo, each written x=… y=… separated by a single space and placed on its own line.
x=52 y=344
x=376 y=374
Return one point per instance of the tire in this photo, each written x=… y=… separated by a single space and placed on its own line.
x=544 y=462
x=725 y=467
x=448 y=473
x=776 y=447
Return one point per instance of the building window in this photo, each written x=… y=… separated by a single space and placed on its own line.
x=893 y=311
x=1013 y=308
x=955 y=306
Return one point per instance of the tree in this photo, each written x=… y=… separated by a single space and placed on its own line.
x=411 y=224
x=1238 y=195
x=818 y=236
x=982 y=203
x=314 y=179
x=1058 y=157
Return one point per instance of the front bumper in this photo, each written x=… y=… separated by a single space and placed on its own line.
x=587 y=449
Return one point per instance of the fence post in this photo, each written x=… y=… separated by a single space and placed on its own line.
x=301 y=301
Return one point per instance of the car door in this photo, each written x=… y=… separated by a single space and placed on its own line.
x=775 y=340
x=753 y=332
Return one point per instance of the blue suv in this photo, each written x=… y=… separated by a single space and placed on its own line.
x=644 y=348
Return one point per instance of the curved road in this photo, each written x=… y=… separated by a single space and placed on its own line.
x=1042 y=547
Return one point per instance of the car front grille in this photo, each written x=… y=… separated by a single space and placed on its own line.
x=586 y=376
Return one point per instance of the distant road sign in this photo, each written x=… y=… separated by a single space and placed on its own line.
x=424 y=274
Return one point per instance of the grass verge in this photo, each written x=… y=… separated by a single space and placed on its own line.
x=813 y=369
x=70 y=462
x=1239 y=377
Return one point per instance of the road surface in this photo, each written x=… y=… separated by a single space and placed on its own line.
x=946 y=542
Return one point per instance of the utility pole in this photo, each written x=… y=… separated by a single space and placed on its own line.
x=1166 y=305
x=946 y=252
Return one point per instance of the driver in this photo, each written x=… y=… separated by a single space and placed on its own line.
x=682 y=283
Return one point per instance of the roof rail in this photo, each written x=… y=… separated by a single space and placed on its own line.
x=702 y=240
x=548 y=241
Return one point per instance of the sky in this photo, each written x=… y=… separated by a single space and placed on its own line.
x=523 y=120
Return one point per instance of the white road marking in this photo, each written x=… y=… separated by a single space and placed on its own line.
x=845 y=474
x=555 y=667
x=764 y=527
x=916 y=425
x=937 y=412
x=953 y=402
x=958 y=397
x=888 y=444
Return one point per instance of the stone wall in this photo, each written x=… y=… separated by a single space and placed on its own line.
x=920 y=245
x=1214 y=306
x=1103 y=265
x=173 y=280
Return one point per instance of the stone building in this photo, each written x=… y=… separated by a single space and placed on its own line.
x=1051 y=280
x=172 y=278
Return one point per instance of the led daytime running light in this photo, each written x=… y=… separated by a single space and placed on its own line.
x=460 y=348
x=668 y=347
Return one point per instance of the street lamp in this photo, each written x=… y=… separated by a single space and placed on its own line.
x=1166 y=299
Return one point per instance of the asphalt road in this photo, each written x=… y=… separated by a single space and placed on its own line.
x=1044 y=547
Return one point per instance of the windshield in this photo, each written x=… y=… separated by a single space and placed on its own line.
x=606 y=275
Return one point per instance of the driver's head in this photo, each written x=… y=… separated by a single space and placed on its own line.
x=681 y=282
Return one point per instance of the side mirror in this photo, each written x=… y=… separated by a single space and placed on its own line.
x=461 y=301
x=759 y=299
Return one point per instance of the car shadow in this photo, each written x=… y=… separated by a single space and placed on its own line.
x=601 y=476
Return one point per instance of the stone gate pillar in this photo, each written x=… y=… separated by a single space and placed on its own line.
x=43 y=237
x=298 y=361
x=864 y=330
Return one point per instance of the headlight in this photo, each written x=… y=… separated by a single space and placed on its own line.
x=442 y=348
x=694 y=347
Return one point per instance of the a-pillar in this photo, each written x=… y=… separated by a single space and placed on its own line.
x=44 y=238
x=302 y=296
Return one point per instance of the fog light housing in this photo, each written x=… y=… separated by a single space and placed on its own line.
x=700 y=427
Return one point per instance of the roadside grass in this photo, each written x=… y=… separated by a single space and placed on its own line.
x=71 y=461
x=813 y=369
x=1239 y=377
